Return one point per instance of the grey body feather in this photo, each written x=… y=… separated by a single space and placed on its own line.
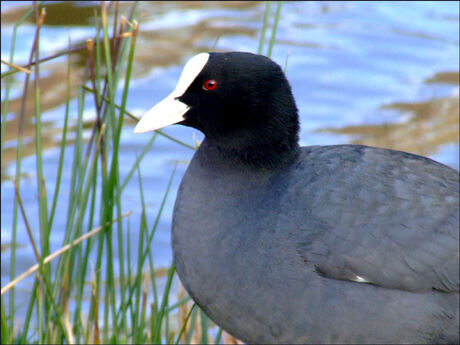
x=347 y=244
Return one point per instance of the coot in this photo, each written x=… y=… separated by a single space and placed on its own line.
x=322 y=244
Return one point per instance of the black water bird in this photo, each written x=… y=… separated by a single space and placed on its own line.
x=321 y=244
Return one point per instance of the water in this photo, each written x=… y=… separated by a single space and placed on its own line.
x=376 y=73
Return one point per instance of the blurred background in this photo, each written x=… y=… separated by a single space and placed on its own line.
x=375 y=73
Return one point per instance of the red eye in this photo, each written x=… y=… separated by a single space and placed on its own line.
x=210 y=84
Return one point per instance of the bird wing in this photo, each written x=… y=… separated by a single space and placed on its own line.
x=380 y=216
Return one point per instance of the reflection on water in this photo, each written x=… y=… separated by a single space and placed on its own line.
x=430 y=125
x=61 y=14
x=375 y=73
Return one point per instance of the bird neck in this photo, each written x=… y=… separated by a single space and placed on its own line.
x=258 y=155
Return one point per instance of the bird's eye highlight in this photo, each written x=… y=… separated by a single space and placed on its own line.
x=210 y=84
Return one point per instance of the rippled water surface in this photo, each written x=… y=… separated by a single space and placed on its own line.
x=375 y=73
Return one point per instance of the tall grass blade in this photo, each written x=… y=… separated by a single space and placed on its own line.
x=21 y=116
x=264 y=27
x=274 y=28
